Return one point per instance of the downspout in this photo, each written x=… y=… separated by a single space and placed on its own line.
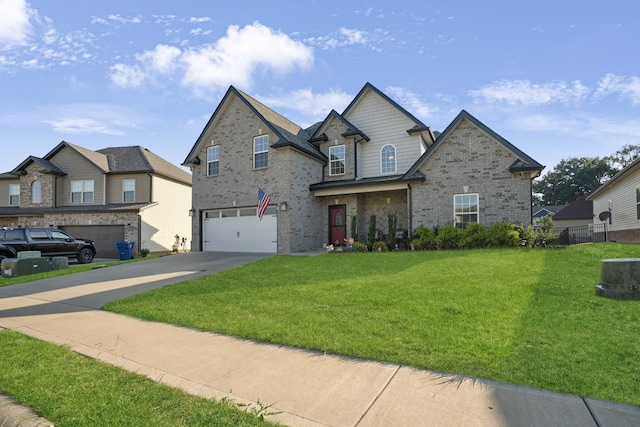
x=150 y=186
x=410 y=203
x=355 y=159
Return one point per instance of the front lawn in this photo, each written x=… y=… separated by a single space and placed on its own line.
x=72 y=390
x=524 y=316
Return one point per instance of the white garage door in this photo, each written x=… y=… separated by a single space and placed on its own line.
x=240 y=230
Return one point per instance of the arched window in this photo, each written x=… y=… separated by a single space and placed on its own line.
x=388 y=159
x=36 y=192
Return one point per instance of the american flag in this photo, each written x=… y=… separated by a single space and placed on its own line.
x=263 y=202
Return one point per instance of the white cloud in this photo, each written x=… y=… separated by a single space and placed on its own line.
x=523 y=92
x=344 y=37
x=15 y=27
x=198 y=20
x=127 y=75
x=162 y=59
x=81 y=125
x=626 y=87
x=235 y=57
x=125 y=19
x=314 y=106
x=410 y=101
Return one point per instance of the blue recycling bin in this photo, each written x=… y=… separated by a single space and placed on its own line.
x=125 y=249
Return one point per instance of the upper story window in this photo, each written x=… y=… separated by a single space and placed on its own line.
x=82 y=191
x=336 y=160
x=213 y=160
x=14 y=194
x=465 y=209
x=36 y=192
x=128 y=190
x=261 y=151
x=388 y=159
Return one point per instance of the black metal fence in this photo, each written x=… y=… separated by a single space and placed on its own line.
x=591 y=233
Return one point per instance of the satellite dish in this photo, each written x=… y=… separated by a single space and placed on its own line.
x=604 y=215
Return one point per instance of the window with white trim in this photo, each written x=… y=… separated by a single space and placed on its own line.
x=261 y=151
x=14 y=194
x=213 y=160
x=388 y=159
x=465 y=209
x=82 y=191
x=128 y=190
x=36 y=192
x=336 y=160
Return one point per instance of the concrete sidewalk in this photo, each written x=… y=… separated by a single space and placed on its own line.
x=307 y=388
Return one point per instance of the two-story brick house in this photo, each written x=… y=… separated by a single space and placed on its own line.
x=110 y=195
x=375 y=160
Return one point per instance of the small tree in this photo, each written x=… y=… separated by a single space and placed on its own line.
x=392 y=219
x=354 y=227
x=372 y=229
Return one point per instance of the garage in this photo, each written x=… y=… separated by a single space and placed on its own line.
x=104 y=237
x=240 y=230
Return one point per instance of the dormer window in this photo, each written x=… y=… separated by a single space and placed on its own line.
x=336 y=160
x=388 y=159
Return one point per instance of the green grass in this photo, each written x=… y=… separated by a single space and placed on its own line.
x=527 y=317
x=71 y=390
x=73 y=269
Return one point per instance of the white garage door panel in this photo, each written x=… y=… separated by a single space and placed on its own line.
x=241 y=234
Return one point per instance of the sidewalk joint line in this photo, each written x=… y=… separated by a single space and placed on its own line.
x=373 y=402
x=593 y=415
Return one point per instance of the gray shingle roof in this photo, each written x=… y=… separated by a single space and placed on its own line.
x=135 y=159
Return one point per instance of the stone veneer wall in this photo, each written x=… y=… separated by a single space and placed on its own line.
x=625 y=236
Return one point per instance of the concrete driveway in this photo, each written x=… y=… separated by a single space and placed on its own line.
x=93 y=289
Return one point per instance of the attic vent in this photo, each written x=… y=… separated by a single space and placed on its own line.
x=211 y=142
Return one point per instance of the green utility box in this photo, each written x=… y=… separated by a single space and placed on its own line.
x=14 y=267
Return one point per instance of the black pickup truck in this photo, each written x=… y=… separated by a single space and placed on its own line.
x=49 y=241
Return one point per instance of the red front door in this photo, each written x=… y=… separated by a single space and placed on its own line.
x=337 y=224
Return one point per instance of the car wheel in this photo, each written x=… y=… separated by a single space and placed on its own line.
x=85 y=256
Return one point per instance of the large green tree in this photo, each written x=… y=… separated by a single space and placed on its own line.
x=577 y=176
x=573 y=178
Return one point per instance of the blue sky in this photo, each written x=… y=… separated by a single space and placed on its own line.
x=557 y=78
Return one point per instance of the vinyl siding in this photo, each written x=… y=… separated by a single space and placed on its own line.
x=623 y=198
x=78 y=168
x=391 y=129
x=142 y=190
x=4 y=190
x=168 y=216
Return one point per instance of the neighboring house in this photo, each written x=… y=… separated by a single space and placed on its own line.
x=110 y=195
x=542 y=211
x=575 y=214
x=619 y=198
x=374 y=160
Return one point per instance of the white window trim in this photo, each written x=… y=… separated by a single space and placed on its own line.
x=217 y=160
x=395 y=160
x=343 y=160
x=476 y=212
x=13 y=193
x=84 y=191
x=266 y=150
x=36 y=192
x=125 y=191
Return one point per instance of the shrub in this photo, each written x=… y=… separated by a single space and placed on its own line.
x=475 y=236
x=379 y=246
x=503 y=234
x=144 y=252
x=449 y=237
x=359 y=247
x=423 y=238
